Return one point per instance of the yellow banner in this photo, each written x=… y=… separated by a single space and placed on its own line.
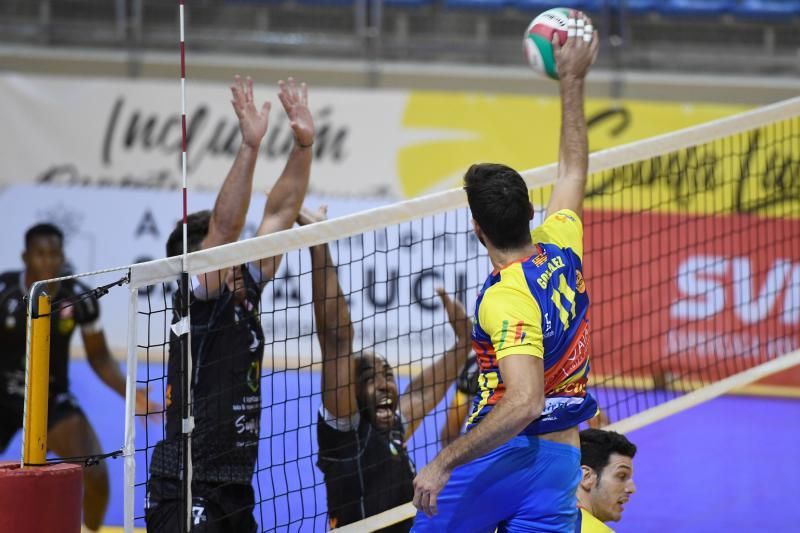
x=758 y=172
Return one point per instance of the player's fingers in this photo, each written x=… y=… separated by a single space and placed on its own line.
x=595 y=46
x=284 y=100
x=580 y=25
x=590 y=34
x=424 y=503
x=235 y=91
x=292 y=88
x=249 y=91
x=304 y=90
x=572 y=26
x=588 y=29
x=417 y=499
x=239 y=84
x=434 y=510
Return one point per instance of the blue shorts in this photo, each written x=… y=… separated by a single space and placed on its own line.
x=527 y=484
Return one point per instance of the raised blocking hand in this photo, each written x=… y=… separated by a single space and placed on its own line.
x=252 y=121
x=295 y=103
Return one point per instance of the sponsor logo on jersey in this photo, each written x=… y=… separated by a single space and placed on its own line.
x=580 y=285
x=548 y=326
x=254 y=376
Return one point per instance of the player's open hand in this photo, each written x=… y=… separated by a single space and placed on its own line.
x=574 y=58
x=295 y=103
x=252 y=121
x=307 y=216
x=457 y=315
x=427 y=485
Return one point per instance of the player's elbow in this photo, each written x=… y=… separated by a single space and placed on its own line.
x=534 y=405
x=528 y=405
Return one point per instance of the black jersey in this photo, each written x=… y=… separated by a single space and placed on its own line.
x=68 y=311
x=366 y=471
x=227 y=348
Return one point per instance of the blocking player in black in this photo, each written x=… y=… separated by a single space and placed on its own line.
x=364 y=421
x=69 y=433
x=227 y=339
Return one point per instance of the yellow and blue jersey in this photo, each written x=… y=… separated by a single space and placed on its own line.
x=587 y=523
x=537 y=306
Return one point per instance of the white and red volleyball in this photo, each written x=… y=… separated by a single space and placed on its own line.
x=538 y=40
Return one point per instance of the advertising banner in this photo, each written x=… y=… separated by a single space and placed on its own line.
x=681 y=250
x=395 y=144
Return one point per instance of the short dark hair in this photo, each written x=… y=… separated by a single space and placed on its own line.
x=196 y=231
x=597 y=445
x=366 y=362
x=498 y=199
x=43 y=230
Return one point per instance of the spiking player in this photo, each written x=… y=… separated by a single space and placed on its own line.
x=518 y=466
x=227 y=338
x=363 y=422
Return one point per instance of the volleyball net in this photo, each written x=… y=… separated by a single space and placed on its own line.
x=692 y=264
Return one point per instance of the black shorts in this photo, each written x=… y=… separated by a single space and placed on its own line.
x=216 y=508
x=61 y=407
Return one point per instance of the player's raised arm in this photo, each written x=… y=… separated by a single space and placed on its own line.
x=573 y=61
x=286 y=196
x=334 y=328
x=428 y=388
x=230 y=209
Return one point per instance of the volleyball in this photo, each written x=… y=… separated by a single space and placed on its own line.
x=538 y=38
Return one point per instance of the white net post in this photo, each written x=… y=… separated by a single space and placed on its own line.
x=129 y=449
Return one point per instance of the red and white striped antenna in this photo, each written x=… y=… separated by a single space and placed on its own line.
x=183 y=134
x=184 y=329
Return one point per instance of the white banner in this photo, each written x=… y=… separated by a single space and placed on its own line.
x=127 y=133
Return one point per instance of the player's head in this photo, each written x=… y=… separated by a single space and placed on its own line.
x=501 y=210
x=607 y=468
x=44 y=252
x=196 y=231
x=377 y=390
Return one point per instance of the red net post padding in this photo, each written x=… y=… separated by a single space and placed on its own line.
x=37 y=499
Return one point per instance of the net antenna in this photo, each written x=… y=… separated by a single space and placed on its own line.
x=183 y=328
